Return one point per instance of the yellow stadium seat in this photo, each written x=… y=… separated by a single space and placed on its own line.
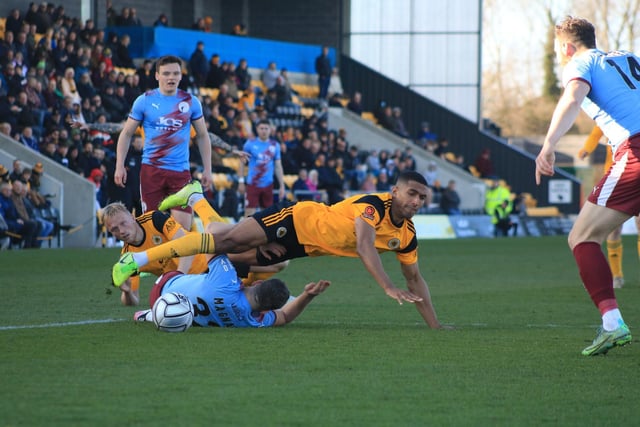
x=232 y=162
x=367 y=115
x=125 y=71
x=290 y=179
x=210 y=92
x=258 y=83
x=544 y=211
x=528 y=200
x=307 y=111
x=306 y=91
x=474 y=171
x=221 y=181
x=450 y=156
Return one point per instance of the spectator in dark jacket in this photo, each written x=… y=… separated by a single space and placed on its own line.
x=198 y=65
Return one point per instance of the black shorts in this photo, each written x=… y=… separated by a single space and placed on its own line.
x=277 y=223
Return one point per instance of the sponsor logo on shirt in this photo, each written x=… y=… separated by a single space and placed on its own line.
x=369 y=212
x=168 y=123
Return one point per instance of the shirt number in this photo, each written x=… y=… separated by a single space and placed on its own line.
x=634 y=68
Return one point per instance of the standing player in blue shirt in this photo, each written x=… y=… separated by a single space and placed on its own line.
x=166 y=115
x=606 y=86
x=219 y=299
x=264 y=160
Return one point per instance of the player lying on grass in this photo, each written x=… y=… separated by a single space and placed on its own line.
x=360 y=226
x=219 y=299
x=157 y=227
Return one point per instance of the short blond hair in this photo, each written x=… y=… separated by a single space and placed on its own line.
x=112 y=209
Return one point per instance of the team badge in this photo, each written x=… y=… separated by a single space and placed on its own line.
x=156 y=239
x=369 y=212
x=183 y=107
x=281 y=232
x=394 y=244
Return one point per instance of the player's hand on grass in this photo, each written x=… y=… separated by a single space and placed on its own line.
x=401 y=295
x=315 y=289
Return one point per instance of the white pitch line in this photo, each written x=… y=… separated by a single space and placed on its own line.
x=93 y=322
x=60 y=324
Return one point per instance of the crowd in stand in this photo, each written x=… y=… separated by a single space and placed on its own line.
x=60 y=77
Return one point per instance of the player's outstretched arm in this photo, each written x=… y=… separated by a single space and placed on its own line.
x=365 y=236
x=417 y=285
x=293 y=308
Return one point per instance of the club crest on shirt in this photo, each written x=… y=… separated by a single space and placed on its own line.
x=183 y=107
x=281 y=232
x=393 y=243
x=369 y=212
x=156 y=239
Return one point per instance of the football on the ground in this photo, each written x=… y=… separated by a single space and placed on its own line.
x=172 y=312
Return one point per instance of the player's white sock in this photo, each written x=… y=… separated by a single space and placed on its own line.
x=141 y=258
x=612 y=320
x=195 y=198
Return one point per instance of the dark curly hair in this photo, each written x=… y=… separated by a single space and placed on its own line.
x=272 y=294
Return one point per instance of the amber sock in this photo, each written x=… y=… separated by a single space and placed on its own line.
x=614 y=253
x=206 y=213
x=191 y=244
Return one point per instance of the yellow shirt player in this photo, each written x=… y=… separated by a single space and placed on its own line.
x=155 y=228
x=614 y=239
x=360 y=226
x=139 y=234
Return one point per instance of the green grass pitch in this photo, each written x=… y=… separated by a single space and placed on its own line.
x=71 y=355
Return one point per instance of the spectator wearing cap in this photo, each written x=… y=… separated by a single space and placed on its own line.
x=4 y=174
x=38 y=170
x=107 y=58
x=34 y=195
x=96 y=176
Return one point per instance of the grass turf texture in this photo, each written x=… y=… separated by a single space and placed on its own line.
x=353 y=358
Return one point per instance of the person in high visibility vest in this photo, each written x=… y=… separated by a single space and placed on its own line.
x=502 y=220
